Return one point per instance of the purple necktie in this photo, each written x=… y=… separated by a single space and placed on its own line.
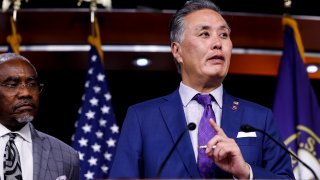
x=205 y=133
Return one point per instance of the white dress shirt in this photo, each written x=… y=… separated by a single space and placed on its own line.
x=193 y=110
x=23 y=142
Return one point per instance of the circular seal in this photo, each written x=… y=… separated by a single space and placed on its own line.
x=306 y=145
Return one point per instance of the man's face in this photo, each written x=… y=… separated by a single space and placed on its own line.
x=205 y=50
x=19 y=99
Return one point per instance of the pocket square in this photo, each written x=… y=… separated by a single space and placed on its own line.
x=64 y=177
x=242 y=134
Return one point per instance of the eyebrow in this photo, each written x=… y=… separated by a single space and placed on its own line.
x=17 y=78
x=206 y=27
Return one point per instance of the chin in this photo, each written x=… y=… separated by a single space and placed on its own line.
x=25 y=119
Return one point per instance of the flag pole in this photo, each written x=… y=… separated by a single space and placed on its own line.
x=287 y=7
x=93 y=9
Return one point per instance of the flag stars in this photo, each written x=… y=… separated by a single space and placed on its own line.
x=104 y=169
x=100 y=77
x=97 y=131
x=111 y=142
x=105 y=109
x=94 y=58
x=90 y=115
x=94 y=101
x=81 y=156
x=96 y=147
x=86 y=128
x=90 y=71
x=92 y=161
x=107 y=96
x=89 y=175
x=83 y=142
x=87 y=84
x=114 y=128
x=99 y=134
x=96 y=89
x=107 y=156
x=102 y=122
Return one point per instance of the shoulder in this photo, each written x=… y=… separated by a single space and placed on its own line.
x=253 y=105
x=54 y=142
x=157 y=102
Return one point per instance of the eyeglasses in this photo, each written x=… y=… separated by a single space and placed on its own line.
x=33 y=87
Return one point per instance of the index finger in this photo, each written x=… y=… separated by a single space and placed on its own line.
x=216 y=128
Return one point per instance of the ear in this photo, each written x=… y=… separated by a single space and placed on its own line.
x=175 y=50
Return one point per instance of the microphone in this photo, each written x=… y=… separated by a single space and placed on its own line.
x=191 y=126
x=249 y=128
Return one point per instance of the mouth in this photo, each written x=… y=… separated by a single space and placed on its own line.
x=24 y=107
x=216 y=58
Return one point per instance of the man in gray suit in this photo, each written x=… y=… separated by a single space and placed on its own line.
x=36 y=155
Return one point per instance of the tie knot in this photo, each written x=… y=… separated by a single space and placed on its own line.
x=203 y=99
x=12 y=136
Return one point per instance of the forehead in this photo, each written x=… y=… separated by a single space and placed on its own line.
x=16 y=68
x=205 y=18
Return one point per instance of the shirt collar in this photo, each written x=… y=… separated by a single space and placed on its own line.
x=24 y=132
x=187 y=93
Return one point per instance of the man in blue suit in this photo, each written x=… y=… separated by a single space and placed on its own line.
x=202 y=48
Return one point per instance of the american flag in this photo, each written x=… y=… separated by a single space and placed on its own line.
x=96 y=132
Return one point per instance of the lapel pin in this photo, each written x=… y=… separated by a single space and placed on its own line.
x=235 y=105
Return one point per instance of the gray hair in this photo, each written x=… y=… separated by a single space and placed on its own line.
x=4 y=57
x=177 y=21
x=10 y=56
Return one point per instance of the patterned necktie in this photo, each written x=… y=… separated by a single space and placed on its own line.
x=11 y=163
x=205 y=133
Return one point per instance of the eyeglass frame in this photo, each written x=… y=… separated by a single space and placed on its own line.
x=30 y=85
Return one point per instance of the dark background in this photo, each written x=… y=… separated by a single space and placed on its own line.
x=61 y=97
x=299 y=7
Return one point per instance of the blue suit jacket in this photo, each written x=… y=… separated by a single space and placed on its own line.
x=151 y=128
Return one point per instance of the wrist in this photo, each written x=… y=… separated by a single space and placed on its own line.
x=245 y=172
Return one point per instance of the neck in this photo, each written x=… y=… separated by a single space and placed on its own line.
x=203 y=88
x=13 y=125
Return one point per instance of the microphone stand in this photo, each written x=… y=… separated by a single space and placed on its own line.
x=249 y=128
x=191 y=127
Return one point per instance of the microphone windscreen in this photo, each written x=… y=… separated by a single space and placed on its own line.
x=247 y=128
x=192 y=126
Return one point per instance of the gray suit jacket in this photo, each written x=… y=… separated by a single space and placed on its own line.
x=53 y=158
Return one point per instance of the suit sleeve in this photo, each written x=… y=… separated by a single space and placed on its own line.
x=128 y=161
x=276 y=163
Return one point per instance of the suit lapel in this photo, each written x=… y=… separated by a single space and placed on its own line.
x=40 y=153
x=231 y=115
x=174 y=117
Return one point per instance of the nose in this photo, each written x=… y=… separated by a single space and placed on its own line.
x=24 y=90
x=216 y=42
